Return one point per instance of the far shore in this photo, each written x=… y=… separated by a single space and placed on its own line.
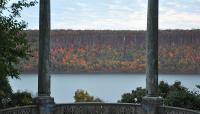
x=117 y=73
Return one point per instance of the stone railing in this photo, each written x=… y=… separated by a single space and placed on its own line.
x=176 y=110
x=32 y=109
x=98 y=108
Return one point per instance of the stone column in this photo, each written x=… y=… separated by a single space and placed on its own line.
x=44 y=101
x=152 y=49
x=44 y=49
x=151 y=102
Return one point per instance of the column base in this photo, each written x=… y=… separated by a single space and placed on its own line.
x=40 y=100
x=45 y=104
x=150 y=105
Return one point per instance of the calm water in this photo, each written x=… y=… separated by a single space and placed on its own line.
x=108 y=87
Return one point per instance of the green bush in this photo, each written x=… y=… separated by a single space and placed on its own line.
x=134 y=97
x=21 y=98
x=183 y=98
x=10 y=99
x=173 y=95
x=163 y=89
x=5 y=92
x=180 y=96
x=84 y=96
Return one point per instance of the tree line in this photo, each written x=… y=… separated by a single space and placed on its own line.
x=83 y=51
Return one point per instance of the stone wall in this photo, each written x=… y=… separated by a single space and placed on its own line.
x=97 y=108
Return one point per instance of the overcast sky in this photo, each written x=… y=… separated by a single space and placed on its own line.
x=116 y=14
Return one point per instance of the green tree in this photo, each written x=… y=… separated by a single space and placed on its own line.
x=84 y=96
x=13 y=44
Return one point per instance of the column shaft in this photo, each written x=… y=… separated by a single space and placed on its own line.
x=152 y=49
x=44 y=49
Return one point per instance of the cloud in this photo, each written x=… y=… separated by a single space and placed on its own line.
x=179 y=20
x=117 y=14
x=179 y=14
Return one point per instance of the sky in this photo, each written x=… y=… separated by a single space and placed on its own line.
x=116 y=14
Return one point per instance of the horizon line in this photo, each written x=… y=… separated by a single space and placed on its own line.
x=112 y=29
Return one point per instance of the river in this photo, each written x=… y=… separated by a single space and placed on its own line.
x=108 y=87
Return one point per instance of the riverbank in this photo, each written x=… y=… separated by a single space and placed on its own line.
x=114 y=73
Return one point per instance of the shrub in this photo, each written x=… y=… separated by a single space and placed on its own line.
x=184 y=99
x=5 y=92
x=21 y=98
x=10 y=99
x=173 y=95
x=84 y=96
x=179 y=96
x=134 y=97
x=163 y=89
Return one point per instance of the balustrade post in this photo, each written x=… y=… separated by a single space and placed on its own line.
x=151 y=102
x=44 y=101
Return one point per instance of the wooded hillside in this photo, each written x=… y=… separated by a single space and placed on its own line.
x=106 y=51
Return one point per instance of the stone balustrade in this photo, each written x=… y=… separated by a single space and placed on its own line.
x=32 y=109
x=176 y=110
x=97 y=108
